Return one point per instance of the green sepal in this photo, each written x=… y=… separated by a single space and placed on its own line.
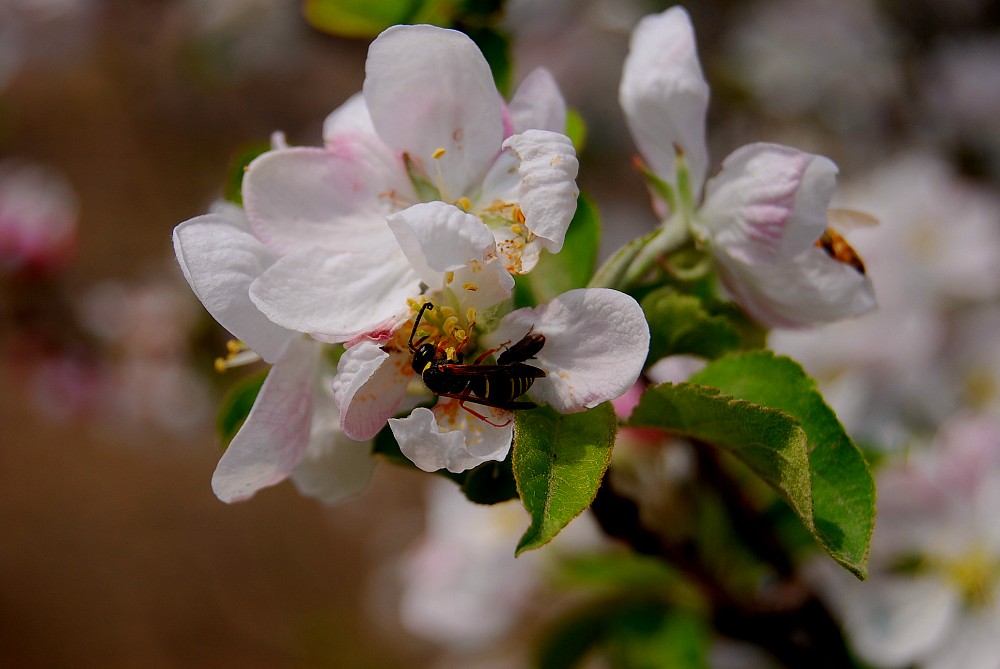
x=571 y=268
x=236 y=405
x=843 y=490
x=490 y=483
x=680 y=325
x=233 y=191
x=559 y=461
x=576 y=130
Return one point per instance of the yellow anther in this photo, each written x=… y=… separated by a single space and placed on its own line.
x=517 y=229
x=447 y=312
x=470 y=315
x=460 y=335
x=234 y=346
x=449 y=277
x=518 y=215
x=237 y=357
x=450 y=352
x=438 y=153
x=464 y=204
x=450 y=324
x=470 y=286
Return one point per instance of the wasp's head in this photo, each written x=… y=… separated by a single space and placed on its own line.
x=423 y=356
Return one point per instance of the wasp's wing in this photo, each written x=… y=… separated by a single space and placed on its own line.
x=515 y=369
x=849 y=219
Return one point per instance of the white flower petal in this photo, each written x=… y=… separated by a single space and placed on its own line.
x=810 y=290
x=220 y=258
x=548 y=192
x=334 y=466
x=335 y=297
x=428 y=88
x=665 y=97
x=369 y=386
x=596 y=341
x=973 y=643
x=481 y=285
x=451 y=438
x=894 y=622
x=438 y=237
x=538 y=104
x=768 y=204
x=305 y=198
x=276 y=432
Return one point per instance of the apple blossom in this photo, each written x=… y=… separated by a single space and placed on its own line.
x=461 y=584
x=596 y=342
x=429 y=127
x=38 y=218
x=937 y=517
x=293 y=428
x=762 y=217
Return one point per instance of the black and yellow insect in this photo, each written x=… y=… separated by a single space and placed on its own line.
x=496 y=385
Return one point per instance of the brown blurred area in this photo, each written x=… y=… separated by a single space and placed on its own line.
x=113 y=550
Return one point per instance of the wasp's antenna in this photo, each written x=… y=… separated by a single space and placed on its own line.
x=416 y=323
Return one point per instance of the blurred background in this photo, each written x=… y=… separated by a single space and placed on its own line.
x=121 y=118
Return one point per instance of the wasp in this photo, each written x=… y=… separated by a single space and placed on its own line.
x=835 y=246
x=498 y=385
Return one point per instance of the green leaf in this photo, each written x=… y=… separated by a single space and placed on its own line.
x=843 y=490
x=566 y=643
x=616 y=570
x=233 y=191
x=236 y=405
x=649 y=636
x=559 y=460
x=679 y=324
x=769 y=442
x=358 y=18
x=570 y=268
x=495 y=45
x=630 y=633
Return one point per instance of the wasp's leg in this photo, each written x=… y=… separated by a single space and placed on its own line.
x=480 y=416
x=493 y=350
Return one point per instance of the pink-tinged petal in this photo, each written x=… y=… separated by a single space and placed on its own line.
x=596 y=341
x=547 y=193
x=768 y=204
x=276 y=432
x=445 y=439
x=220 y=258
x=538 y=104
x=335 y=297
x=427 y=89
x=369 y=386
x=810 y=290
x=350 y=118
x=438 y=237
x=665 y=97
x=306 y=198
x=334 y=466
